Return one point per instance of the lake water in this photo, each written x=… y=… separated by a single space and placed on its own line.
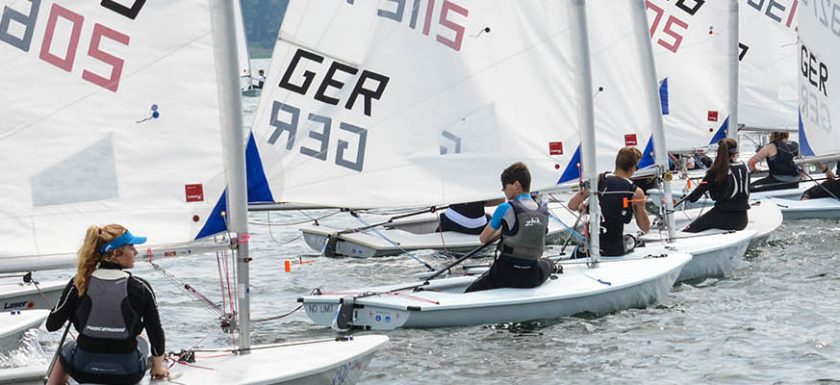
x=775 y=321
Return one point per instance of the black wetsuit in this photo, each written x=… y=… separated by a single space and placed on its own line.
x=616 y=200
x=731 y=201
x=111 y=351
x=784 y=173
x=472 y=211
x=519 y=264
x=827 y=189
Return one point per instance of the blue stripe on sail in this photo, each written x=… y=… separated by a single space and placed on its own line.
x=258 y=188
x=647 y=155
x=258 y=191
x=804 y=148
x=663 y=96
x=721 y=132
x=572 y=170
x=215 y=222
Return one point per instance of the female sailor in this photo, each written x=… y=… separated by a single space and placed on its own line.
x=109 y=308
x=727 y=183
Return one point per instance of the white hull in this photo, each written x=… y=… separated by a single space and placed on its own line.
x=407 y=235
x=14 y=324
x=822 y=208
x=716 y=253
x=20 y=296
x=612 y=286
x=324 y=362
x=764 y=218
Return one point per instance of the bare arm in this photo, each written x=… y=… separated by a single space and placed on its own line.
x=576 y=203
x=489 y=234
x=642 y=218
x=768 y=150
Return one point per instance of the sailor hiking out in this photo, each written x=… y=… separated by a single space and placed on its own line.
x=109 y=308
x=522 y=224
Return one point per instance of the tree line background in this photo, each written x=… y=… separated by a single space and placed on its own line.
x=262 y=22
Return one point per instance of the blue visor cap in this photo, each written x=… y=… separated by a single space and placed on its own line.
x=126 y=239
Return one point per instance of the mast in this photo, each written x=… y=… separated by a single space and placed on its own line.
x=732 y=129
x=586 y=120
x=233 y=146
x=655 y=109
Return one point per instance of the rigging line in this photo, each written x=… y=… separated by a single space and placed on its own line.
x=277 y=317
x=823 y=187
x=309 y=219
x=209 y=305
x=397 y=245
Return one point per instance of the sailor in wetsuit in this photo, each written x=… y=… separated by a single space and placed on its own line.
x=109 y=308
x=784 y=174
x=828 y=189
x=522 y=224
x=620 y=202
x=727 y=182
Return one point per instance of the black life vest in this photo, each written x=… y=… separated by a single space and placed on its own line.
x=782 y=163
x=616 y=201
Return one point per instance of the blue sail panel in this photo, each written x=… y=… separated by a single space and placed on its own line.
x=572 y=170
x=663 y=96
x=804 y=148
x=258 y=191
x=647 y=155
x=721 y=132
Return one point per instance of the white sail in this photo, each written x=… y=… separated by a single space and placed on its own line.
x=819 y=70
x=243 y=57
x=110 y=115
x=767 y=96
x=384 y=104
x=691 y=43
x=622 y=116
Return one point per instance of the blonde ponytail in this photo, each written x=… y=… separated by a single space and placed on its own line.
x=89 y=255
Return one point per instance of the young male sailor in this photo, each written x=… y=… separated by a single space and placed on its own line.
x=784 y=174
x=522 y=224
x=620 y=202
x=467 y=218
x=109 y=308
x=828 y=189
x=727 y=182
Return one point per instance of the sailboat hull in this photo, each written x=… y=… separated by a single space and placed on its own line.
x=613 y=286
x=29 y=296
x=821 y=208
x=322 y=362
x=14 y=324
x=400 y=237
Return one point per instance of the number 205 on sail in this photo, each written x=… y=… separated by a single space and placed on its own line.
x=63 y=33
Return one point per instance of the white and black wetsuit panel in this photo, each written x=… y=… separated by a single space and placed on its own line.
x=467 y=218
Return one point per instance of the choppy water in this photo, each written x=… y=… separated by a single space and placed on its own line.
x=775 y=321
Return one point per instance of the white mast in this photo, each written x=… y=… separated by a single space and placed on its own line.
x=734 y=63
x=234 y=152
x=651 y=85
x=586 y=120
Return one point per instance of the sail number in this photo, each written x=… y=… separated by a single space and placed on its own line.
x=813 y=90
x=674 y=26
x=320 y=135
x=17 y=29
